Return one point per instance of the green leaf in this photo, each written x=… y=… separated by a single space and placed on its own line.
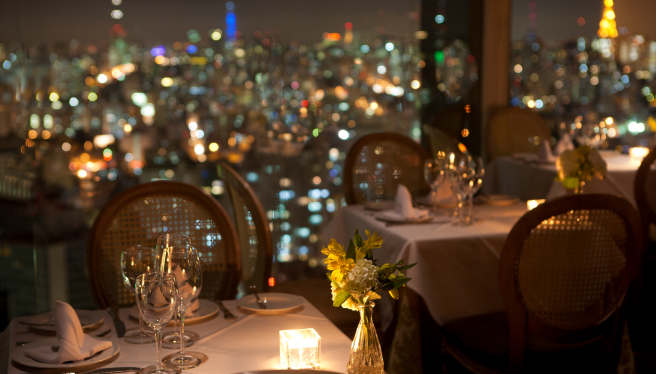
x=341 y=297
x=350 y=252
x=358 y=239
x=570 y=182
x=406 y=266
x=400 y=282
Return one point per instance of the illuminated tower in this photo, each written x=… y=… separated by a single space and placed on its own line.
x=607 y=27
x=532 y=21
x=231 y=21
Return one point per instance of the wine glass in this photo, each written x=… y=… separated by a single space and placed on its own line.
x=171 y=339
x=156 y=296
x=476 y=183
x=134 y=262
x=433 y=175
x=184 y=264
x=461 y=175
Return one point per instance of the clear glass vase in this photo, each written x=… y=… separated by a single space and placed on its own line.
x=366 y=355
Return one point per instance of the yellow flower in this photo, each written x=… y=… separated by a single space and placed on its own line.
x=336 y=260
x=372 y=242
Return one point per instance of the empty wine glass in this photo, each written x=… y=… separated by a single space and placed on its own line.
x=184 y=264
x=134 y=262
x=165 y=240
x=434 y=175
x=476 y=183
x=156 y=296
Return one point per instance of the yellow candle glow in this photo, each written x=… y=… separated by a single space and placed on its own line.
x=300 y=349
x=638 y=152
x=533 y=203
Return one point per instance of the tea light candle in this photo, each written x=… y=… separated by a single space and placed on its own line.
x=533 y=203
x=638 y=152
x=300 y=349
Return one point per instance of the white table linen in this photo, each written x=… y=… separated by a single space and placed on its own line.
x=249 y=343
x=457 y=267
x=531 y=180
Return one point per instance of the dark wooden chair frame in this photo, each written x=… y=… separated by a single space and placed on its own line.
x=521 y=322
x=113 y=207
x=354 y=151
x=240 y=186
x=648 y=215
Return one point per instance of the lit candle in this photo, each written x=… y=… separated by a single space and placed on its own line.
x=300 y=349
x=638 y=152
x=533 y=203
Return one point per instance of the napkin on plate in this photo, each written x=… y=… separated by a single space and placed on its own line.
x=74 y=345
x=403 y=205
x=564 y=144
x=192 y=308
x=544 y=153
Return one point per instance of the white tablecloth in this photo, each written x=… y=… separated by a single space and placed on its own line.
x=250 y=343
x=529 y=180
x=457 y=267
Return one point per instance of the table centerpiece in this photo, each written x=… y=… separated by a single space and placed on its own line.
x=577 y=166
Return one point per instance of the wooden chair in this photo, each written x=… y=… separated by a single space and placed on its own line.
x=138 y=215
x=564 y=272
x=377 y=163
x=253 y=228
x=645 y=192
x=514 y=130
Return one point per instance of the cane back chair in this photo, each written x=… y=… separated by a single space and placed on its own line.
x=515 y=130
x=564 y=273
x=253 y=228
x=645 y=193
x=377 y=163
x=138 y=215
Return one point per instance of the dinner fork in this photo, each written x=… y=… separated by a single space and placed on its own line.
x=226 y=313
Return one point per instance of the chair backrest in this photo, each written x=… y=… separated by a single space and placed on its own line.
x=565 y=269
x=515 y=130
x=377 y=163
x=138 y=215
x=645 y=191
x=253 y=228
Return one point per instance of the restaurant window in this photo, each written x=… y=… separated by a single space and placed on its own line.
x=96 y=98
x=586 y=67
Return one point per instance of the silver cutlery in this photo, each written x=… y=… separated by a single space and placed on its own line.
x=118 y=324
x=226 y=313
x=260 y=303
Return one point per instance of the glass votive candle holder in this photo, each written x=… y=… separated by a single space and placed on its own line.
x=638 y=152
x=531 y=204
x=300 y=349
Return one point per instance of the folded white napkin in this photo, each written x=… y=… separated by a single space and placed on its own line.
x=74 y=345
x=403 y=205
x=564 y=144
x=192 y=308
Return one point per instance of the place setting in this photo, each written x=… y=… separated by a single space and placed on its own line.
x=269 y=302
x=70 y=349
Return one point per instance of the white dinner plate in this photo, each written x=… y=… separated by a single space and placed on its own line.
x=206 y=310
x=19 y=356
x=501 y=199
x=276 y=303
x=421 y=216
x=89 y=319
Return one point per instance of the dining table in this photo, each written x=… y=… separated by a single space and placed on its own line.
x=456 y=273
x=248 y=343
x=529 y=177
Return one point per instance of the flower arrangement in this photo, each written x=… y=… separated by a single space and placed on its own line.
x=578 y=166
x=356 y=278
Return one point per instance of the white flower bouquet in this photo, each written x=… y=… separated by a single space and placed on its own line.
x=578 y=166
x=356 y=278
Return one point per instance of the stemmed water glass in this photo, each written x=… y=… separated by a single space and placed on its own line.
x=476 y=183
x=156 y=296
x=134 y=262
x=165 y=240
x=184 y=264
x=434 y=175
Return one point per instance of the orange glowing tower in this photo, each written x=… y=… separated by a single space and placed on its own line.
x=607 y=28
